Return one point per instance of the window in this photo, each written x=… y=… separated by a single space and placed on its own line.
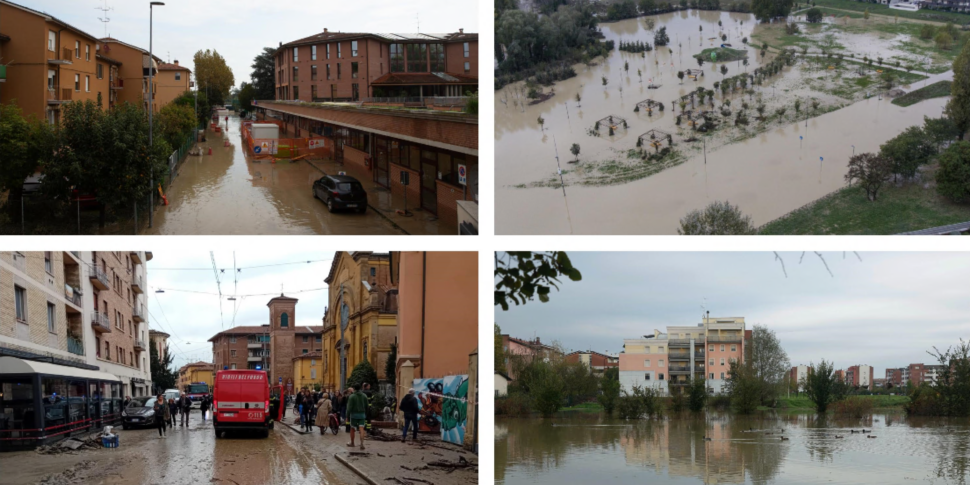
x=646 y=363
x=131 y=357
x=328 y=72
x=20 y=299
x=284 y=320
x=51 y=318
x=712 y=376
x=468 y=67
x=313 y=52
x=296 y=73
x=353 y=48
x=365 y=349
x=178 y=76
x=339 y=54
x=661 y=377
x=355 y=88
x=338 y=70
x=232 y=339
x=417 y=57
x=306 y=339
x=77 y=49
x=77 y=82
x=722 y=375
x=373 y=271
x=51 y=40
x=296 y=57
x=711 y=349
x=661 y=363
x=232 y=366
x=313 y=373
x=437 y=57
x=319 y=339
x=48 y=262
x=661 y=349
x=646 y=376
x=397 y=58
x=87 y=52
x=711 y=363
x=50 y=79
x=313 y=73
x=107 y=351
x=313 y=362
x=353 y=70
x=328 y=51
x=87 y=84
x=466 y=50
x=100 y=71
x=232 y=353
x=313 y=92
x=305 y=351
x=722 y=360
x=734 y=348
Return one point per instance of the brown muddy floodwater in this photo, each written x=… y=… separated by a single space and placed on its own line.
x=228 y=193
x=767 y=175
x=597 y=450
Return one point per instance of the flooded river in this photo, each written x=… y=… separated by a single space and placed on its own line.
x=591 y=449
x=228 y=193
x=767 y=175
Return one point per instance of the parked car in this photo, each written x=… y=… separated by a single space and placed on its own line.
x=341 y=192
x=140 y=412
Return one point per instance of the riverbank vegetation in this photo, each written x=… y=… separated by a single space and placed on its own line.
x=721 y=54
x=949 y=394
x=938 y=89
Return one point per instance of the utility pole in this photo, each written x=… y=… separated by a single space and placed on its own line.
x=151 y=99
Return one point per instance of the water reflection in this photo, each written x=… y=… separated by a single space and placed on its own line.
x=723 y=448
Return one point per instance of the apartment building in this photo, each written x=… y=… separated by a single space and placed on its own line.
x=671 y=359
x=798 y=375
x=342 y=66
x=172 y=81
x=270 y=347
x=894 y=377
x=48 y=63
x=361 y=313
x=132 y=80
x=67 y=334
x=859 y=376
x=308 y=371
x=159 y=340
x=194 y=373
x=525 y=350
x=595 y=361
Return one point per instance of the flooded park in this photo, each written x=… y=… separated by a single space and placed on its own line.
x=651 y=148
x=227 y=192
x=726 y=448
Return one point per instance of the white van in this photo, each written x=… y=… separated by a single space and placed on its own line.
x=172 y=394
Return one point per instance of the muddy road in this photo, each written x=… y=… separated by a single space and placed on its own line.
x=229 y=193
x=186 y=456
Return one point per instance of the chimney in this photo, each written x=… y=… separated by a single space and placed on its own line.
x=176 y=62
x=325 y=30
x=461 y=31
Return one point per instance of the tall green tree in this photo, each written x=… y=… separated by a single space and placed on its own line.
x=363 y=373
x=263 y=76
x=520 y=276
x=203 y=111
x=176 y=123
x=247 y=93
x=214 y=76
x=823 y=387
x=500 y=362
x=908 y=151
x=23 y=142
x=390 y=367
x=958 y=108
x=952 y=384
x=765 y=10
x=743 y=387
x=609 y=390
x=769 y=361
x=953 y=176
x=163 y=377
x=697 y=395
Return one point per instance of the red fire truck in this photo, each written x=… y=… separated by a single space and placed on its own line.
x=241 y=402
x=196 y=391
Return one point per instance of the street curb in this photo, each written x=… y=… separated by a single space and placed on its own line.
x=294 y=429
x=356 y=470
x=375 y=209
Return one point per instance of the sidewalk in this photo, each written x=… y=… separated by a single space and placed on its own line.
x=382 y=202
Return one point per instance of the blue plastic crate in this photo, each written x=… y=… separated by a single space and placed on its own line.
x=110 y=442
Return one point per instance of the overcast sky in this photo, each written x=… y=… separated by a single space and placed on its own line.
x=192 y=318
x=886 y=310
x=239 y=29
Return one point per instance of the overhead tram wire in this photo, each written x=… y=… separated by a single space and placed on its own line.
x=241 y=268
x=275 y=293
x=215 y=271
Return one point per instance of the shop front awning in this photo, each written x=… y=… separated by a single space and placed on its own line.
x=15 y=366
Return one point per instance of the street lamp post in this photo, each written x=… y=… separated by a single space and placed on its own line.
x=151 y=98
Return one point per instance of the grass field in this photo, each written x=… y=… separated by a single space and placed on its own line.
x=802 y=402
x=846 y=211
x=586 y=407
x=879 y=9
x=935 y=90
x=723 y=54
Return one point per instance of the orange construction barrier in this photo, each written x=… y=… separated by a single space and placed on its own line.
x=162 y=194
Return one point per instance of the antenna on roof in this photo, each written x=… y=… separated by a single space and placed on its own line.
x=418 y=18
x=105 y=19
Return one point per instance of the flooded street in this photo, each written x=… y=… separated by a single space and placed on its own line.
x=767 y=173
x=591 y=449
x=228 y=193
x=186 y=456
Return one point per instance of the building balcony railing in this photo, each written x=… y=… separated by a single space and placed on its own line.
x=699 y=355
x=679 y=370
x=100 y=322
x=72 y=295
x=254 y=358
x=136 y=284
x=75 y=346
x=55 y=96
x=135 y=255
x=254 y=345
x=140 y=345
x=679 y=356
x=724 y=338
x=138 y=314
x=99 y=279
x=679 y=383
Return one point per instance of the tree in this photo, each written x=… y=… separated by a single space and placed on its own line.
x=813 y=15
x=822 y=386
x=213 y=75
x=765 y=10
x=176 y=122
x=907 y=151
x=939 y=131
x=870 y=170
x=952 y=384
x=163 y=377
x=680 y=75
x=363 y=373
x=696 y=395
x=609 y=390
x=605 y=81
x=647 y=6
x=190 y=99
x=521 y=275
x=724 y=70
x=578 y=99
x=927 y=31
x=718 y=218
x=23 y=141
x=263 y=77
x=743 y=388
x=501 y=364
x=953 y=176
x=660 y=38
x=769 y=362
x=542 y=123
x=865 y=15
x=575 y=150
x=390 y=367
x=943 y=40
x=247 y=93
x=958 y=108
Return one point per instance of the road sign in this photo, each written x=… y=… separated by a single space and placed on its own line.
x=462 y=175
x=406 y=177
x=257 y=149
x=281 y=380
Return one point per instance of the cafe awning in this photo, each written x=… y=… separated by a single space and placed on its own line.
x=13 y=366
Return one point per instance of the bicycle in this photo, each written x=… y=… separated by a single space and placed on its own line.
x=334 y=423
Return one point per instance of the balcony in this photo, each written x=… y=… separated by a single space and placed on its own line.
x=140 y=345
x=679 y=369
x=75 y=346
x=679 y=383
x=100 y=322
x=136 y=284
x=73 y=296
x=698 y=355
x=136 y=257
x=118 y=84
x=138 y=314
x=66 y=95
x=679 y=355
x=99 y=279
x=72 y=258
x=66 y=56
x=254 y=358
x=724 y=338
x=254 y=345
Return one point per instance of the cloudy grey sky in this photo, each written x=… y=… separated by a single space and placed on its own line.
x=884 y=311
x=189 y=309
x=239 y=29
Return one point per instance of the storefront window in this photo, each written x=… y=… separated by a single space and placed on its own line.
x=54 y=399
x=94 y=400
x=77 y=399
x=16 y=407
x=445 y=169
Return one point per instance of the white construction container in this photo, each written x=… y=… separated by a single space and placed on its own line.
x=264 y=131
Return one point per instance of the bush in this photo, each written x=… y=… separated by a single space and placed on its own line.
x=677 y=402
x=515 y=404
x=363 y=373
x=953 y=176
x=855 y=407
x=720 y=402
x=924 y=401
x=376 y=403
x=927 y=32
x=697 y=395
x=641 y=403
x=813 y=15
x=943 y=40
x=718 y=218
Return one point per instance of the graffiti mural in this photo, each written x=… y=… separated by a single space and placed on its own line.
x=443 y=406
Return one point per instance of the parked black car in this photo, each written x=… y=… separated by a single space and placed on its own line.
x=341 y=192
x=140 y=412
